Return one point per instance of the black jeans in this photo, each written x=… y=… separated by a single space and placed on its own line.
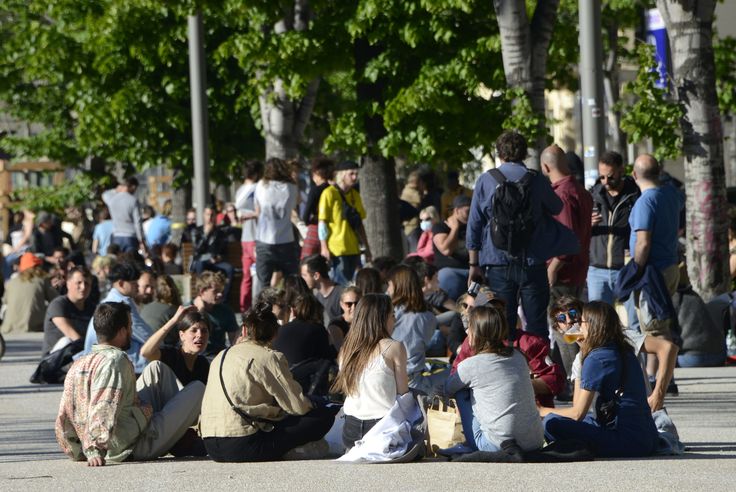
x=292 y=432
x=276 y=257
x=354 y=430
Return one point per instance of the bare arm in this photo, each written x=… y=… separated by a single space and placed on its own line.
x=446 y=243
x=643 y=247
x=578 y=410
x=151 y=350
x=666 y=353
x=396 y=356
x=552 y=270
x=66 y=328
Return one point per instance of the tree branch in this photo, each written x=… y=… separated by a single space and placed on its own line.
x=304 y=110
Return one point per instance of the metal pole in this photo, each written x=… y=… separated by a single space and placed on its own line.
x=591 y=84
x=198 y=84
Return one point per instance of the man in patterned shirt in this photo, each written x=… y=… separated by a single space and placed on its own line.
x=105 y=414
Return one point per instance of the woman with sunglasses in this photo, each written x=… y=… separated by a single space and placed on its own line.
x=623 y=425
x=564 y=313
x=339 y=327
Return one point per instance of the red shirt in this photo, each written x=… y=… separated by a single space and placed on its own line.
x=535 y=349
x=577 y=207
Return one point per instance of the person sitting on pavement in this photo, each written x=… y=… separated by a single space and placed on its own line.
x=210 y=248
x=209 y=287
x=168 y=258
x=253 y=409
x=106 y=415
x=316 y=273
x=303 y=337
x=26 y=296
x=503 y=407
x=339 y=327
x=163 y=306
x=124 y=278
x=623 y=425
x=368 y=281
x=372 y=367
x=193 y=330
x=415 y=325
x=450 y=254
x=68 y=316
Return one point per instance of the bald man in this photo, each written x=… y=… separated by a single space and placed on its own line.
x=654 y=221
x=567 y=274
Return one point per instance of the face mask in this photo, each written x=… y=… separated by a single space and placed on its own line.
x=425 y=225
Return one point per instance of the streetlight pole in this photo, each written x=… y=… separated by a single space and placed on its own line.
x=591 y=83
x=198 y=96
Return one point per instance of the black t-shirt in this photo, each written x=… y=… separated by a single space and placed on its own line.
x=459 y=258
x=173 y=358
x=302 y=340
x=342 y=324
x=311 y=206
x=62 y=307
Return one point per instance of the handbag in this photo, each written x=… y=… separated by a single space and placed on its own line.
x=350 y=214
x=607 y=412
x=445 y=426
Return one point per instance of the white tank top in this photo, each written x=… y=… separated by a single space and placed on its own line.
x=376 y=391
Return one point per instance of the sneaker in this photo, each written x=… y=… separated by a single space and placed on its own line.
x=455 y=450
x=315 y=450
x=672 y=389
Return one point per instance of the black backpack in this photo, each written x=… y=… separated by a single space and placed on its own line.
x=513 y=224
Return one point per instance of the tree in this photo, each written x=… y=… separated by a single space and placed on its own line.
x=524 y=46
x=690 y=28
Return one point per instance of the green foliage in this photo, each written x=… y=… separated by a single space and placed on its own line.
x=724 y=50
x=56 y=199
x=523 y=119
x=653 y=114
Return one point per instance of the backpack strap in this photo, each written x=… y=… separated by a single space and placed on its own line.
x=497 y=175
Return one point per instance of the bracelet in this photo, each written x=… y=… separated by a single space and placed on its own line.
x=472 y=264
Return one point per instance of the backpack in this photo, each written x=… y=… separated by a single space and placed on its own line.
x=513 y=223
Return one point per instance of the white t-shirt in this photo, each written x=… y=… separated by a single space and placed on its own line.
x=276 y=200
x=245 y=202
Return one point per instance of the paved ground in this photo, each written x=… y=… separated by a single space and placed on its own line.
x=705 y=413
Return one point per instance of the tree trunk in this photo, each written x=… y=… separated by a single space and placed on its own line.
x=690 y=29
x=378 y=188
x=285 y=119
x=524 y=49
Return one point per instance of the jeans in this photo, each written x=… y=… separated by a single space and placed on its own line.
x=248 y=258
x=601 y=282
x=454 y=281
x=701 y=360
x=270 y=258
x=354 y=430
x=474 y=436
x=343 y=268
x=509 y=282
x=287 y=434
x=126 y=243
x=226 y=268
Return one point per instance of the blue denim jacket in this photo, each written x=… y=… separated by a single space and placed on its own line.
x=141 y=332
x=415 y=330
x=550 y=239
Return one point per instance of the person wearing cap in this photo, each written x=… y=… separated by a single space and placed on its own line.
x=454 y=190
x=124 y=279
x=340 y=241
x=26 y=296
x=450 y=253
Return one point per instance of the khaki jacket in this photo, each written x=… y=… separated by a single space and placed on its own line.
x=259 y=382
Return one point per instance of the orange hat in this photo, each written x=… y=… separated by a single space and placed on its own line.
x=29 y=260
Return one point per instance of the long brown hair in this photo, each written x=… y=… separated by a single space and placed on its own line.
x=490 y=331
x=277 y=170
x=604 y=328
x=368 y=328
x=407 y=289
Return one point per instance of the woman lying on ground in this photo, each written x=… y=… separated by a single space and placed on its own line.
x=503 y=405
x=623 y=426
x=372 y=367
x=193 y=328
x=253 y=409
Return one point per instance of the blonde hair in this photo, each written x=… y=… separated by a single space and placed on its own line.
x=432 y=212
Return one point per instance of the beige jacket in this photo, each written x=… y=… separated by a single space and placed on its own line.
x=259 y=382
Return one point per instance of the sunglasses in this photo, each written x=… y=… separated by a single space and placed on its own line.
x=464 y=305
x=350 y=303
x=572 y=314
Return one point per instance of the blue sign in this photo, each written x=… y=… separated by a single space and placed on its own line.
x=657 y=37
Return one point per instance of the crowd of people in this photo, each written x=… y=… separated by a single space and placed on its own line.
x=536 y=290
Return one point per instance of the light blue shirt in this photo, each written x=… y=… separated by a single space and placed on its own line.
x=141 y=332
x=658 y=210
x=159 y=231
x=103 y=234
